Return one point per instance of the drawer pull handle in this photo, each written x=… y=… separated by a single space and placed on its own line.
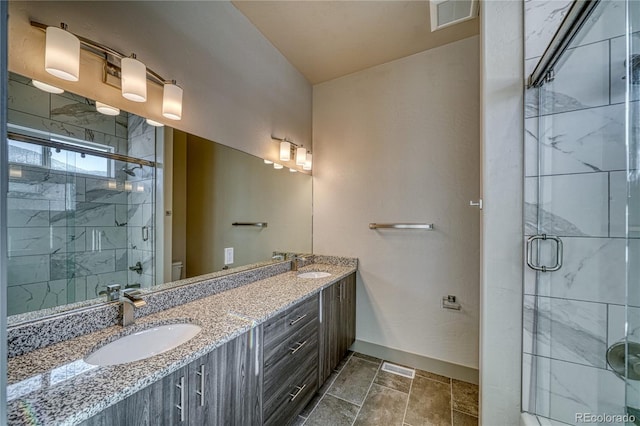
x=200 y=392
x=180 y=406
x=300 y=318
x=299 y=346
x=298 y=392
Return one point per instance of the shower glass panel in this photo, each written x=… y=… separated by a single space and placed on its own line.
x=77 y=222
x=578 y=189
x=630 y=203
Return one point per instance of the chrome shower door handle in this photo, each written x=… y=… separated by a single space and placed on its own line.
x=559 y=253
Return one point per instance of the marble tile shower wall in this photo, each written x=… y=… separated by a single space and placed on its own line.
x=575 y=187
x=67 y=231
x=141 y=203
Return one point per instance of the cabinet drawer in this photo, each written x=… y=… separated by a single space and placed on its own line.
x=278 y=329
x=286 y=362
x=292 y=346
x=281 y=406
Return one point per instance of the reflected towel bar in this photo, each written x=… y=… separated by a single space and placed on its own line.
x=423 y=226
x=258 y=224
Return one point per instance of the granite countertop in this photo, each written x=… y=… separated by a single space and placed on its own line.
x=54 y=386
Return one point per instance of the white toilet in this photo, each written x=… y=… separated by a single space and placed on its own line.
x=176 y=271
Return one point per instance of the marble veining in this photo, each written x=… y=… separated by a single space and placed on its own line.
x=59 y=389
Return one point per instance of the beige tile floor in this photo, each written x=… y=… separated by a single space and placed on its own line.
x=360 y=393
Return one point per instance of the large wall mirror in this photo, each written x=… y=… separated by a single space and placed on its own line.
x=97 y=199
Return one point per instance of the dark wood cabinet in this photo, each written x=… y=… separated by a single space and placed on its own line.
x=265 y=376
x=290 y=362
x=223 y=387
x=337 y=327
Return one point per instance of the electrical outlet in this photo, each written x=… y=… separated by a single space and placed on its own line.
x=228 y=255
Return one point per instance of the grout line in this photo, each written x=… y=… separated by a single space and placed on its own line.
x=392 y=389
x=328 y=389
x=451 y=399
x=367 y=394
x=341 y=399
x=468 y=414
x=406 y=407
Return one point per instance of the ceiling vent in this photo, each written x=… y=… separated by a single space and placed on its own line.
x=450 y=12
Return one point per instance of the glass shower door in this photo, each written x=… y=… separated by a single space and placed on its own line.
x=629 y=347
x=575 y=194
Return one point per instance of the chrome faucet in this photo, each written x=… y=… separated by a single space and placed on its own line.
x=295 y=261
x=130 y=301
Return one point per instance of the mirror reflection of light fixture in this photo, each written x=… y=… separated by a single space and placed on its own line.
x=47 y=87
x=301 y=156
x=172 y=101
x=153 y=123
x=285 y=151
x=308 y=164
x=134 y=79
x=106 y=109
x=277 y=166
x=268 y=161
x=62 y=53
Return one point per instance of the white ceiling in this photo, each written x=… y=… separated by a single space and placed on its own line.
x=328 y=39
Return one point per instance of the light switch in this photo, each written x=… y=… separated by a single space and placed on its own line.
x=228 y=255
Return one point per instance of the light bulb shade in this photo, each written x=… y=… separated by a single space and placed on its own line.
x=301 y=156
x=106 y=109
x=267 y=161
x=172 y=101
x=134 y=80
x=47 y=87
x=285 y=151
x=153 y=123
x=293 y=170
x=308 y=163
x=62 y=54
x=277 y=166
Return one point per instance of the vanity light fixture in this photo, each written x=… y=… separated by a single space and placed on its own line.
x=277 y=166
x=172 y=101
x=150 y=122
x=301 y=156
x=106 y=109
x=285 y=150
x=267 y=161
x=308 y=164
x=293 y=171
x=286 y=145
x=47 y=87
x=127 y=73
x=134 y=79
x=62 y=53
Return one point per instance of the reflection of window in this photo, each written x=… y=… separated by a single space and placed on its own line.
x=63 y=159
x=26 y=153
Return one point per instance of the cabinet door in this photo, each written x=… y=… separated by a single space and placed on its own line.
x=347 y=314
x=175 y=398
x=225 y=385
x=140 y=409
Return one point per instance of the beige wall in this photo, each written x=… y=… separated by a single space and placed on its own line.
x=238 y=89
x=400 y=143
x=224 y=185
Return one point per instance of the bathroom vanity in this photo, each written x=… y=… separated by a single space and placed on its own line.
x=264 y=350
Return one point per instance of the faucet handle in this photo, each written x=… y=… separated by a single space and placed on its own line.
x=113 y=292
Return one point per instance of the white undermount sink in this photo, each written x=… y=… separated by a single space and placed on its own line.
x=143 y=344
x=314 y=275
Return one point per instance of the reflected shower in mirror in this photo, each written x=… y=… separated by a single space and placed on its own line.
x=96 y=200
